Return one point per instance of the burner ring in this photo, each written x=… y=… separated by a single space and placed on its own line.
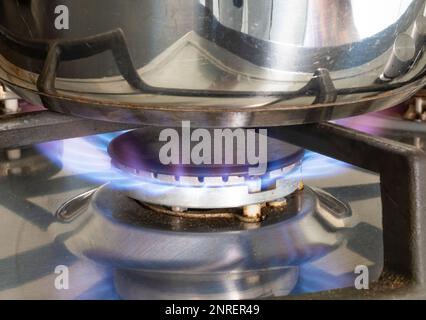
x=203 y=186
x=211 y=193
x=232 y=258
x=126 y=234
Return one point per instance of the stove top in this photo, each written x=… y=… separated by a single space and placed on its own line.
x=35 y=241
x=121 y=227
x=196 y=167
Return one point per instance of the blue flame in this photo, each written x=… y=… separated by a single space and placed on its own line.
x=316 y=166
x=88 y=157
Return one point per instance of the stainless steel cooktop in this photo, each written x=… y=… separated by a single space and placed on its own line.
x=33 y=186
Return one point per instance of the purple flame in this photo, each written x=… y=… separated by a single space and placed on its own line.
x=88 y=158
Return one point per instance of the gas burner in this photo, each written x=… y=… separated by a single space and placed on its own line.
x=206 y=186
x=219 y=231
x=218 y=257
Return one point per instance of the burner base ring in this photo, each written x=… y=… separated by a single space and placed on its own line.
x=136 y=285
x=236 y=259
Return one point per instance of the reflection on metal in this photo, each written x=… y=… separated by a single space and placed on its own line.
x=71 y=209
x=403 y=55
x=419 y=32
x=308 y=23
x=26 y=162
x=231 y=63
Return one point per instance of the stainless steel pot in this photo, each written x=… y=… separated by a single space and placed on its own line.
x=215 y=62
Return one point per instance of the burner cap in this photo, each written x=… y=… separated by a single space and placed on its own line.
x=204 y=186
x=139 y=150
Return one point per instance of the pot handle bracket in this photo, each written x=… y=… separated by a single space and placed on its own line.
x=67 y=50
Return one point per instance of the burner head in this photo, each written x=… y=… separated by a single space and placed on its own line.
x=139 y=150
x=205 y=186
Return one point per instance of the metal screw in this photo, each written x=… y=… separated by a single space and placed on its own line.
x=253 y=211
x=13 y=154
x=254 y=184
x=416 y=110
x=279 y=203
